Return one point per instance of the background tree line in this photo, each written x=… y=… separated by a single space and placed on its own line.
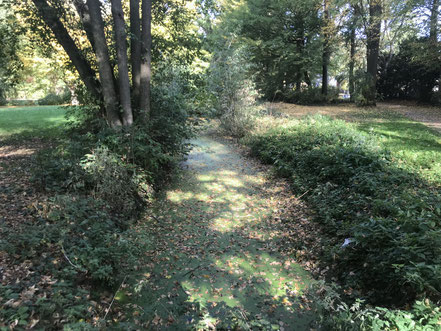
x=373 y=49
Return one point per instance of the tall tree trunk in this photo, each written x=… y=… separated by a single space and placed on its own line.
x=146 y=58
x=433 y=38
x=326 y=50
x=83 y=12
x=135 y=50
x=352 y=65
x=300 y=44
x=307 y=78
x=105 y=70
x=434 y=22
x=373 y=48
x=87 y=74
x=123 y=70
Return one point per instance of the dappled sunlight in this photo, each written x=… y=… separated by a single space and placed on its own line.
x=179 y=196
x=217 y=258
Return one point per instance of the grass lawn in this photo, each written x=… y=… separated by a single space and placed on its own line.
x=415 y=146
x=41 y=121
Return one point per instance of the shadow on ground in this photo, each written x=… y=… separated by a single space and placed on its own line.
x=218 y=259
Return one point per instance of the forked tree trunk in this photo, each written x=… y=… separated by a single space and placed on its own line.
x=135 y=50
x=123 y=70
x=105 y=70
x=373 y=48
x=146 y=54
x=87 y=74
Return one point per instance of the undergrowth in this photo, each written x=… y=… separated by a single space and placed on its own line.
x=383 y=220
x=87 y=238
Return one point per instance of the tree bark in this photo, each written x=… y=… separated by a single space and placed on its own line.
x=307 y=78
x=434 y=22
x=104 y=67
x=352 y=65
x=300 y=44
x=433 y=38
x=373 y=48
x=87 y=74
x=146 y=54
x=326 y=50
x=83 y=12
x=123 y=70
x=135 y=50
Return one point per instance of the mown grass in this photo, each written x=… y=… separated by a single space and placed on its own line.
x=411 y=143
x=41 y=121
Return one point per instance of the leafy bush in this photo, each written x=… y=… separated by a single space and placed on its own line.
x=238 y=122
x=72 y=242
x=331 y=312
x=362 y=89
x=53 y=99
x=311 y=96
x=113 y=181
x=233 y=94
x=88 y=234
x=390 y=216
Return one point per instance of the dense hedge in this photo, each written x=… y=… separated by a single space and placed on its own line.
x=389 y=215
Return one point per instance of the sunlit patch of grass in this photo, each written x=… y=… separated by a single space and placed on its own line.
x=414 y=145
x=38 y=121
x=179 y=196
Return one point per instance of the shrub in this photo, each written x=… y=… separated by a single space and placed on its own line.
x=311 y=96
x=238 y=122
x=232 y=92
x=390 y=215
x=53 y=99
x=72 y=242
x=113 y=181
x=331 y=312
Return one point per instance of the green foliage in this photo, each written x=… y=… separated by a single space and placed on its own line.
x=113 y=181
x=72 y=242
x=11 y=66
x=283 y=39
x=53 y=99
x=333 y=313
x=406 y=75
x=311 y=96
x=232 y=94
x=32 y=121
x=363 y=91
x=358 y=192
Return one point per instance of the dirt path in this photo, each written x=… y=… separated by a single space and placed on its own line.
x=220 y=259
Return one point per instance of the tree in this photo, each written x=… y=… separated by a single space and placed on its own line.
x=326 y=47
x=146 y=58
x=282 y=37
x=11 y=65
x=373 y=35
x=113 y=94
